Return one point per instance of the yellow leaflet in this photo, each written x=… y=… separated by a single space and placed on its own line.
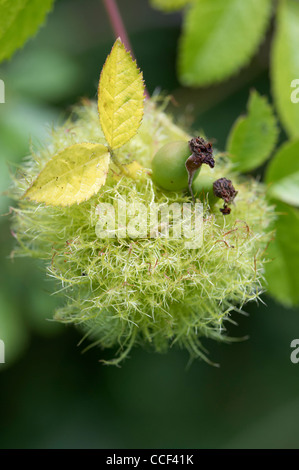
x=120 y=97
x=134 y=170
x=71 y=176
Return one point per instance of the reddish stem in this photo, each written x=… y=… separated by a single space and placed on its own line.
x=117 y=23
x=119 y=27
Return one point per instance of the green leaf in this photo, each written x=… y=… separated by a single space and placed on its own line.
x=253 y=137
x=19 y=20
x=282 y=272
x=285 y=64
x=287 y=190
x=71 y=176
x=169 y=5
x=120 y=97
x=283 y=174
x=219 y=37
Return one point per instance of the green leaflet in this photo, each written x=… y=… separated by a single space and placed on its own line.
x=283 y=174
x=282 y=273
x=169 y=5
x=20 y=19
x=285 y=64
x=253 y=138
x=219 y=37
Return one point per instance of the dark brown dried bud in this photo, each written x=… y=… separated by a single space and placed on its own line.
x=202 y=152
x=224 y=189
x=225 y=210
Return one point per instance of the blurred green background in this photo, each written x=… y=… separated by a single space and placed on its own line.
x=51 y=395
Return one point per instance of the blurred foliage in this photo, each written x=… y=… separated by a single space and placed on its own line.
x=285 y=64
x=219 y=38
x=283 y=174
x=282 y=271
x=20 y=20
x=253 y=138
x=51 y=395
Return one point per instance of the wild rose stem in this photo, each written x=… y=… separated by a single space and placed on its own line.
x=119 y=28
x=117 y=23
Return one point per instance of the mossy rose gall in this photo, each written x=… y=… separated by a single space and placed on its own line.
x=151 y=291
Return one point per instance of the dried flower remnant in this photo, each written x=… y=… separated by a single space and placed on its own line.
x=224 y=189
x=202 y=152
x=225 y=210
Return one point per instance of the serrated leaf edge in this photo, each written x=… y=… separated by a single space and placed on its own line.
x=24 y=196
